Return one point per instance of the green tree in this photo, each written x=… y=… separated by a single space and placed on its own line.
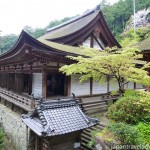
x=7 y=42
x=119 y=63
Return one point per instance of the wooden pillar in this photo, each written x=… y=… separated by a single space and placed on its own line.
x=12 y=106
x=30 y=83
x=5 y=102
x=0 y=80
x=44 y=85
x=13 y=81
x=68 y=85
x=134 y=85
x=92 y=42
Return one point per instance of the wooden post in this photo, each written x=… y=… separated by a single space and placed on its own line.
x=5 y=102
x=68 y=86
x=134 y=85
x=92 y=42
x=44 y=85
x=12 y=106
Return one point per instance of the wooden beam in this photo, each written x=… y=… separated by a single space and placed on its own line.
x=98 y=42
x=91 y=41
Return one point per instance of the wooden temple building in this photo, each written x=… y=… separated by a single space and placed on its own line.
x=30 y=70
x=32 y=65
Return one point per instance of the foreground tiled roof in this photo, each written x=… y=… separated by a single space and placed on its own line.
x=58 y=117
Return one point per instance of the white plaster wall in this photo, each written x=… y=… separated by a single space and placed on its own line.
x=99 y=88
x=37 y=84
x=79 y=88
x=139 y=86
x=113 y=85
x=129 y=85
x=13 y=126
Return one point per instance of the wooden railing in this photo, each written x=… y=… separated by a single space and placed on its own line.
x=18 y=100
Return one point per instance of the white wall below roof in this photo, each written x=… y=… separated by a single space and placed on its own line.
x=37 y=84
x=129 y=85
x=99 y=88
x=113 y=85
x=86 y=43
x=139 y=86
x=79 y=88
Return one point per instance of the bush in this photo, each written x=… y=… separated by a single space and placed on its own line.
x=132 y=108
x=126 y=134
x=1 y=138
x=144 y=130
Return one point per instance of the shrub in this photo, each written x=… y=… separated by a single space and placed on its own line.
x=132 y=108
x=126 y=134
x=1 y=138
x=144 y=130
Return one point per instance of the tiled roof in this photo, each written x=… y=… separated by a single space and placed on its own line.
x=144 y=45
x=64 y=48
x=57 y=117
x=71 y=26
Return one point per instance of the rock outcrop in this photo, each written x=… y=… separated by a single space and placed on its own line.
x=142 y=19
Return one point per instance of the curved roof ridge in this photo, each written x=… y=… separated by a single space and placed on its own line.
x=97 y=8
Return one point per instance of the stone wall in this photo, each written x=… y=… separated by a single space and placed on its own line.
x=13 y=126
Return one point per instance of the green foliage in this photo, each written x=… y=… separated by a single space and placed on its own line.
x=127 y=38
x=57 y=22
x=36 y=33
x=106 y=135
x=120 y=63
x=144 y=130
x=91 y=143
x=133 y=107
x=126 y=134
x=7 y=42
x=1 y=138
x=118 y=14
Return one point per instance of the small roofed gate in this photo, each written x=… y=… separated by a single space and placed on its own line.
x=57 y=124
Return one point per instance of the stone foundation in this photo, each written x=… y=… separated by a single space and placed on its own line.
x=13 y=126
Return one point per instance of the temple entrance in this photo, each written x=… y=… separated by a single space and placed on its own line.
x=55 y=84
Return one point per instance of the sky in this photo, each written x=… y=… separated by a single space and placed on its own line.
x=15 y=14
